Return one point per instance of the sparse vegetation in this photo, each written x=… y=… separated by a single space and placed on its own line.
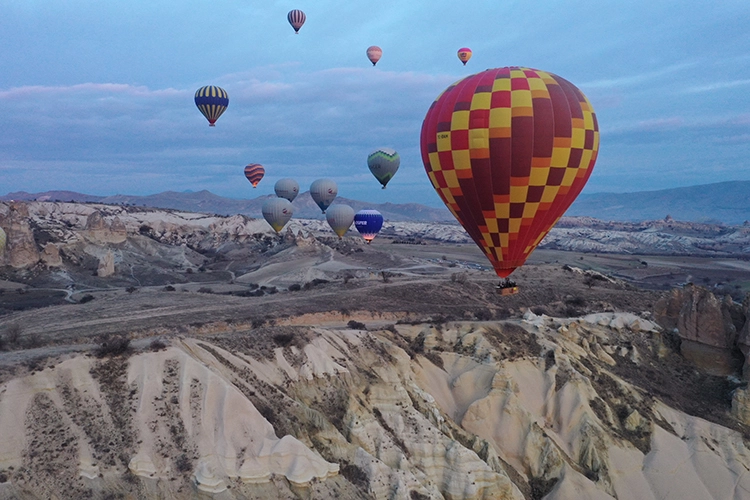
x=13 y=333
x=356 y=325
x=113 y=345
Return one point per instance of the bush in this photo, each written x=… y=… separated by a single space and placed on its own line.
x=459 y=278
x=13 y=333
x=130 y=289
x=283 y=339
x=169 y=288
x=205 y=289
x=113 y=346
x=86 y=298
x=157 y=345
x=356 y=325
x=295 y=287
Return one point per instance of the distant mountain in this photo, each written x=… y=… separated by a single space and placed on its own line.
x=207 y=202
x=727 y=202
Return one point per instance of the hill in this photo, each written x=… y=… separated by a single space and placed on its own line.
x=727 y=202
x=724 y=202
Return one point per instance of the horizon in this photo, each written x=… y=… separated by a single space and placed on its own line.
x=439 y=204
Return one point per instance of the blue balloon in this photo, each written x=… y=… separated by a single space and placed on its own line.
x=368 y=223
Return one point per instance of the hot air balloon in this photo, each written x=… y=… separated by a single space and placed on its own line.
x=254 y=173
x=340 y=218
x=277 y=212
x=3 y=241
x=286 y=188
x=368 y=223
x=383 y=164
x=374 y=53
x=296 y=18
x=508 y=150
x=212 y=101
x=323 y=192
x=464 y=54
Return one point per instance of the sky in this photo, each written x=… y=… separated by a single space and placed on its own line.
x=97 y=97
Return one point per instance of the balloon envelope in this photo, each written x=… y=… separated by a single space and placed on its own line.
x=254 y=173
x=277 y=212
x=340 y=218
x=212 y=101
x=383 y=164
x=286 y=188
x=508 y=150
x=368 y=223
x=464 y=54
x=323 y=192
x=296 y=18
x=374 y=53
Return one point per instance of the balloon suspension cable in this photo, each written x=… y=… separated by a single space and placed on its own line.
x=211 y=124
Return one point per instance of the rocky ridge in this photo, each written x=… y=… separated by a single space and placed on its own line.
x=543 y=407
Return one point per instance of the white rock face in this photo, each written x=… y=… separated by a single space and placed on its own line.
x=513 y=409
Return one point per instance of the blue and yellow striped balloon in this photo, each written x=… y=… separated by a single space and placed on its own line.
x=212 y=101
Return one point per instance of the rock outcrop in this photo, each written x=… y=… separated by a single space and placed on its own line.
x=21 y=250
x=99 y=230
x=514 y=409
x=707 y=326
x=106 y=265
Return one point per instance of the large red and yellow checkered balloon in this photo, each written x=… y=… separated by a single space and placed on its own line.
x=508 y=150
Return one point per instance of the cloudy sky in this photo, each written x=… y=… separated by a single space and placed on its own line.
x=97 y=96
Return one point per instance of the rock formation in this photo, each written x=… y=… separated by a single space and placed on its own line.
x=515 y=409
x=106 y=265
x=707 y=326
x=21 y=250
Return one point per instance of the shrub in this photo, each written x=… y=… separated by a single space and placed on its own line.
x=113 y=346
x=283 y=339
x=169 y=288
x=157 y=345
x=205 y=289
x=86 y=298
x=356 y=325
x=483 y=315
x=33 y=340
x=130 y=289
x=459 y=278
x=295 y=287
x=13 y=333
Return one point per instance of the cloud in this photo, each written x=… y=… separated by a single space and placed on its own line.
x=717 y=86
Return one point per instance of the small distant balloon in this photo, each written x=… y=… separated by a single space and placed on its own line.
x=368 y=223
x=383 y=164
x=286 y=188
x=464 y=54
x=212 y=101
x=374 y=53
x=323 y=192
x=277 y=212
x=254 y=173
x=340 y=218
x=296 y=18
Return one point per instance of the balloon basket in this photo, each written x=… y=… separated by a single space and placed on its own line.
x=507 y=287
